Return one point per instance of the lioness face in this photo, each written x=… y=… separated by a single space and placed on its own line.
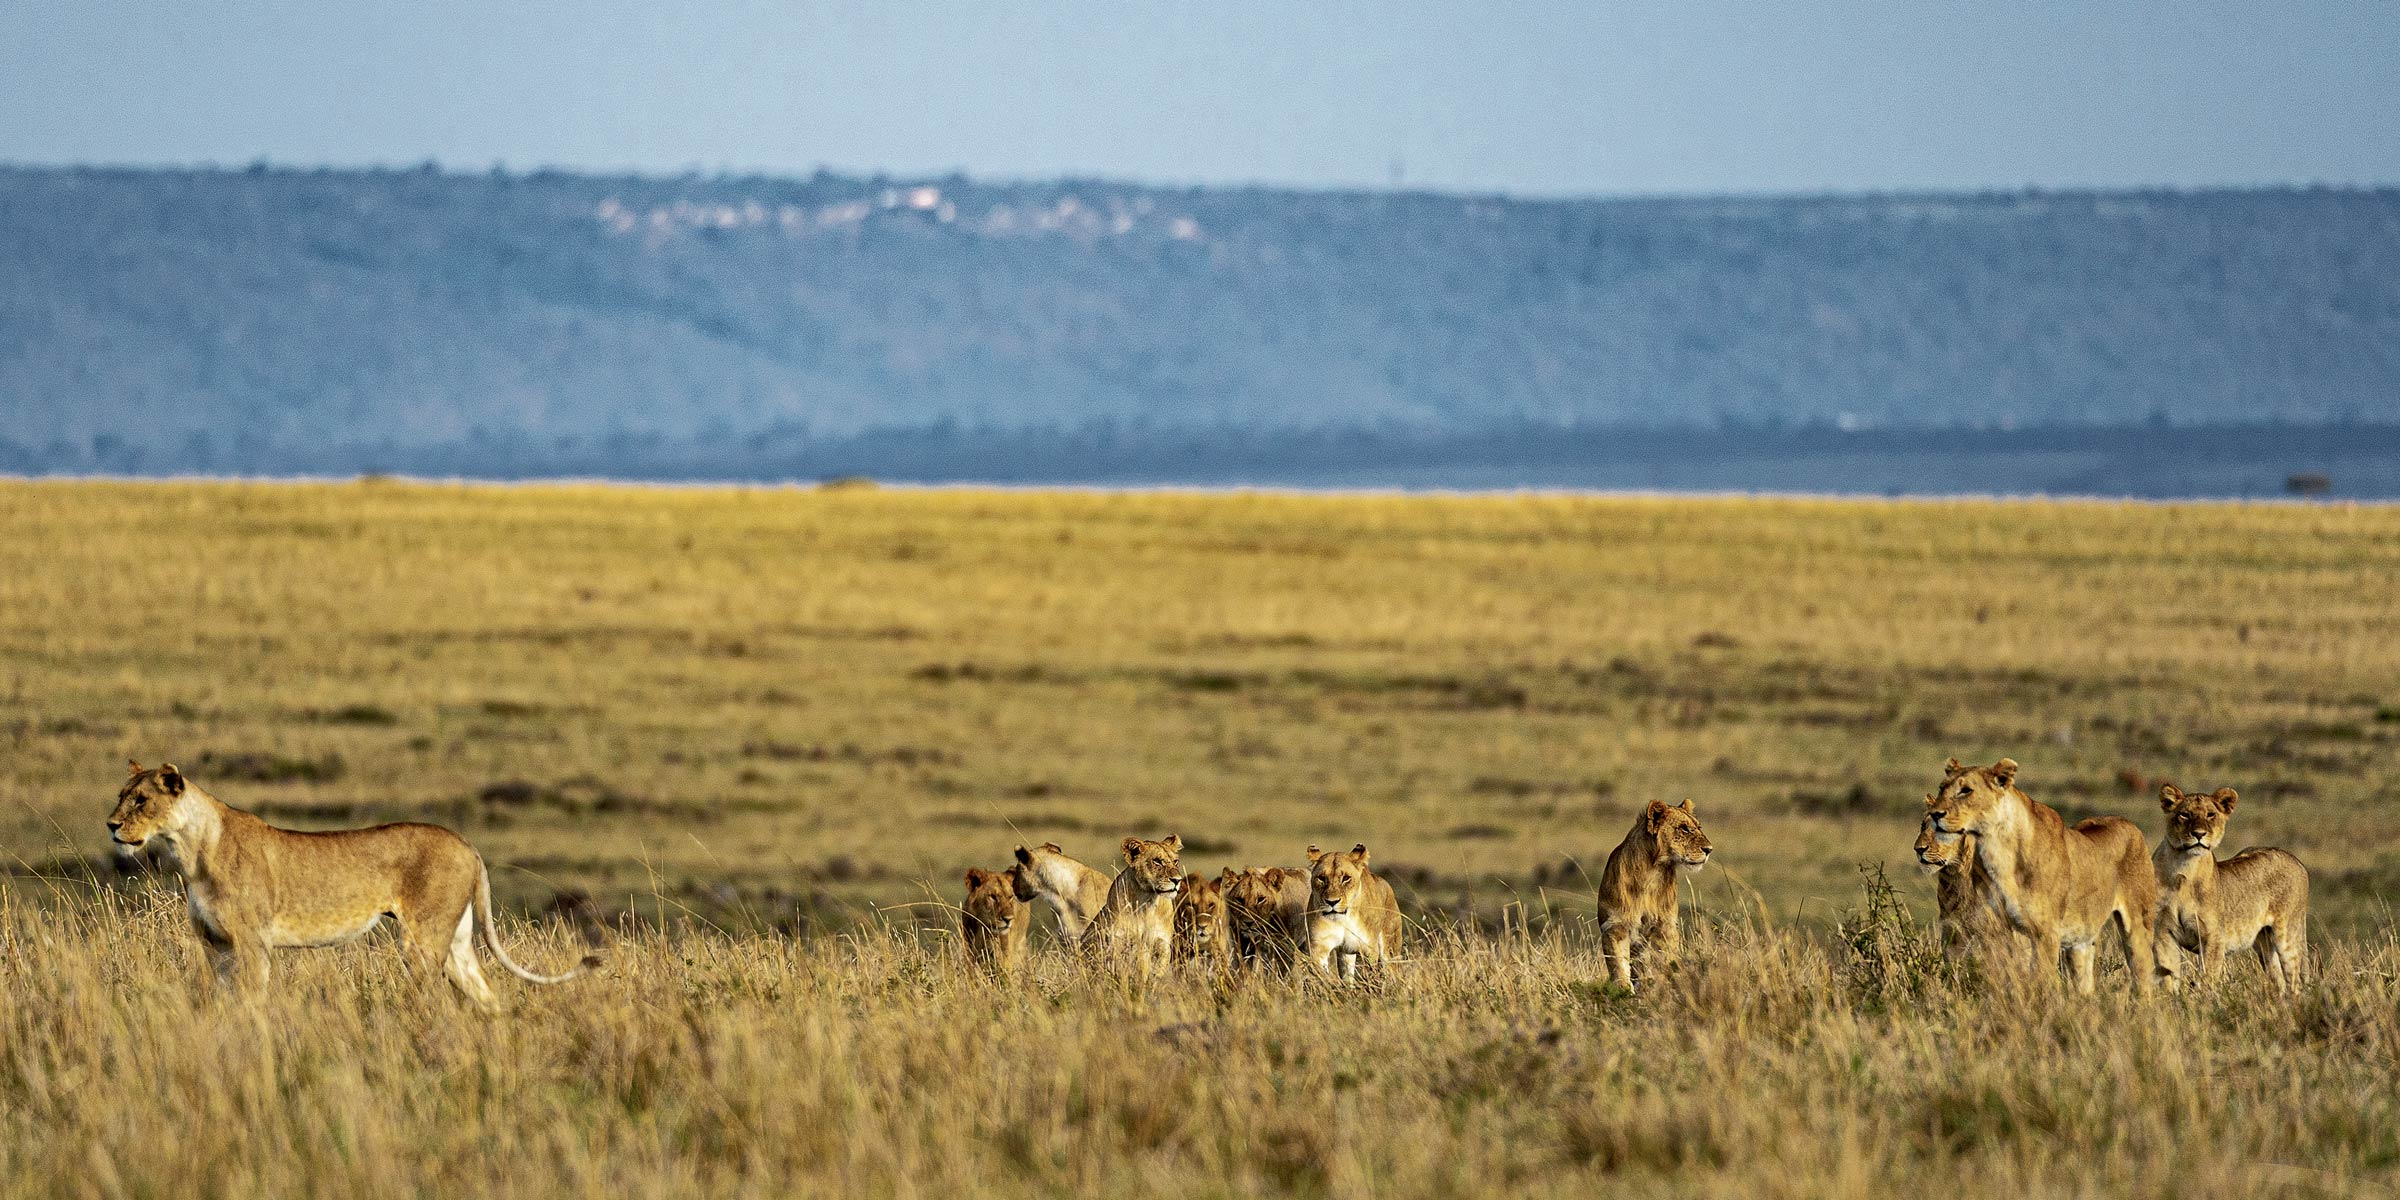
x=1676 y=835
x=992 y=904
x=2194 y=821
x=1969 y=794
x=1933 y=851
x=1335 y=878
x=149 y=804
x=1251 y=895
x=1199 y=912
x=1157 y=866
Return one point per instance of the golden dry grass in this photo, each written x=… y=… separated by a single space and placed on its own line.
x=779 y=710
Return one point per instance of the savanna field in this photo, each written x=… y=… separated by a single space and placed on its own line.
x=751 y=739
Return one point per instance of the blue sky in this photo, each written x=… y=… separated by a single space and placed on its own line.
x=1528 y=98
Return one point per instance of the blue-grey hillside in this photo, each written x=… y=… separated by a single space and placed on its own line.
x=289 y=320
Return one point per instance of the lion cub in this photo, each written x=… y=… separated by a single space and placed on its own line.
x=1267 y=908
x=1074 y=891
x=1137 y=920
x=1351 y=911
x=1637 y=890
x=251 y=887
x=993 y=922
x=1202 y=933
x=2258 y=898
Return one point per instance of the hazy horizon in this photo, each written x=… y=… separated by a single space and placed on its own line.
x=1532 y=100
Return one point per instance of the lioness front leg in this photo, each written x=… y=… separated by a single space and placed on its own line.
x=1323 y=944
x=2166 y=958
x=1616 y=946
x=232 y=961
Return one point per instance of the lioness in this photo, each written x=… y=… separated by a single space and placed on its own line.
x=1137 y=920
x=1637 y=890
x=2060 y=887
x=1351 y=911
x=2258 y=898
x=252 y=887
x=1201 y=931
x=1963 y=909
x=993 y=922
x=1074 y=891
x=1267 y=908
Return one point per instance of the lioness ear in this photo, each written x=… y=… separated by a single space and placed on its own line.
x=132 y=767
x=171 y=779
x=2168 y=796
x=1361 y=851
x=1227 y=875
x=1952 y=768
x=976 y=876
x=2005 y=771
x=1175 y=842
x=1652 y=814
x=1025 y=856
x=1314 y=854
x=1133 y=846
x=1686 y=806
x=2226 y=797
x=1052 y=847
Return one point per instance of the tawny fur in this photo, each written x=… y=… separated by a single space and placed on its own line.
x=1202 y=932
x=1637 y=891
x=1268 y=910
x=1136 y=923
x=1352 y=913
x=2257 y=899
x=2060 y=887
x=994 y=923
x=1073 y=891
x=1964 y=912
x=251 y=887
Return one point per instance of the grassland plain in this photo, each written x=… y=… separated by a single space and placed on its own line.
x=733 y=713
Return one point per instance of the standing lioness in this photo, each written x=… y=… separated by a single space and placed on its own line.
x=2258 y=898
x=252 y=887
x=2061 y=886
x=1137 y=921
x=1352 y=913
x=1637 y=890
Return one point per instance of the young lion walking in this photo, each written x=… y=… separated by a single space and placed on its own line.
x=252 y=887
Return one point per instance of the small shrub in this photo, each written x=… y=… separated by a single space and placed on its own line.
x=1475 y=831
x=1892 y=959
x=359 y=714
x=256 y=767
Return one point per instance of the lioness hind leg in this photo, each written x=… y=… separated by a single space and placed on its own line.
x=2279 y=951
x=2140 y=945
x=466 y=974
x=1662 y=948
x=2291 y=945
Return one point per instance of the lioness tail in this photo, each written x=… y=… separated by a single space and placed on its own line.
x=491 y=934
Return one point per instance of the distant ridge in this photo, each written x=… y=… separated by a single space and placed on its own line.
x=293 y=321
